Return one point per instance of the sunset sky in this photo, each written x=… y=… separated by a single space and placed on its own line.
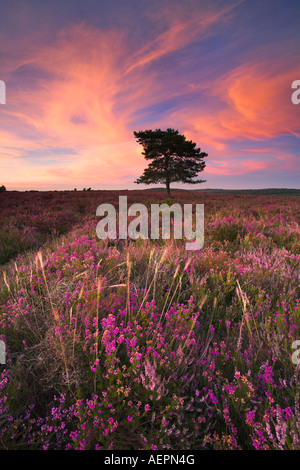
x=81 y=76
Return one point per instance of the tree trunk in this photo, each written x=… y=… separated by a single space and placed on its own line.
x=167 y=175
x=168 y=188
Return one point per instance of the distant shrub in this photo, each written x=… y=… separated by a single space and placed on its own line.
x=168 y=201
x=2 y=189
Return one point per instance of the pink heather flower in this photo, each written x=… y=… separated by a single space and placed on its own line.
x=212 y=396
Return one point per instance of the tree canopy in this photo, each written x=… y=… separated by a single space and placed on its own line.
x=172 y=158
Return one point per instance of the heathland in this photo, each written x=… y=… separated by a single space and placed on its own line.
x=144 y=345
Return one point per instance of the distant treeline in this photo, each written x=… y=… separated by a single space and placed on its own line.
x=267 y=191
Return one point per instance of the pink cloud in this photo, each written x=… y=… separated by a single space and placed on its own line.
x=253 y=102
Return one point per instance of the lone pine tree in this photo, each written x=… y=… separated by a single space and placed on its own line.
x=173 y=158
